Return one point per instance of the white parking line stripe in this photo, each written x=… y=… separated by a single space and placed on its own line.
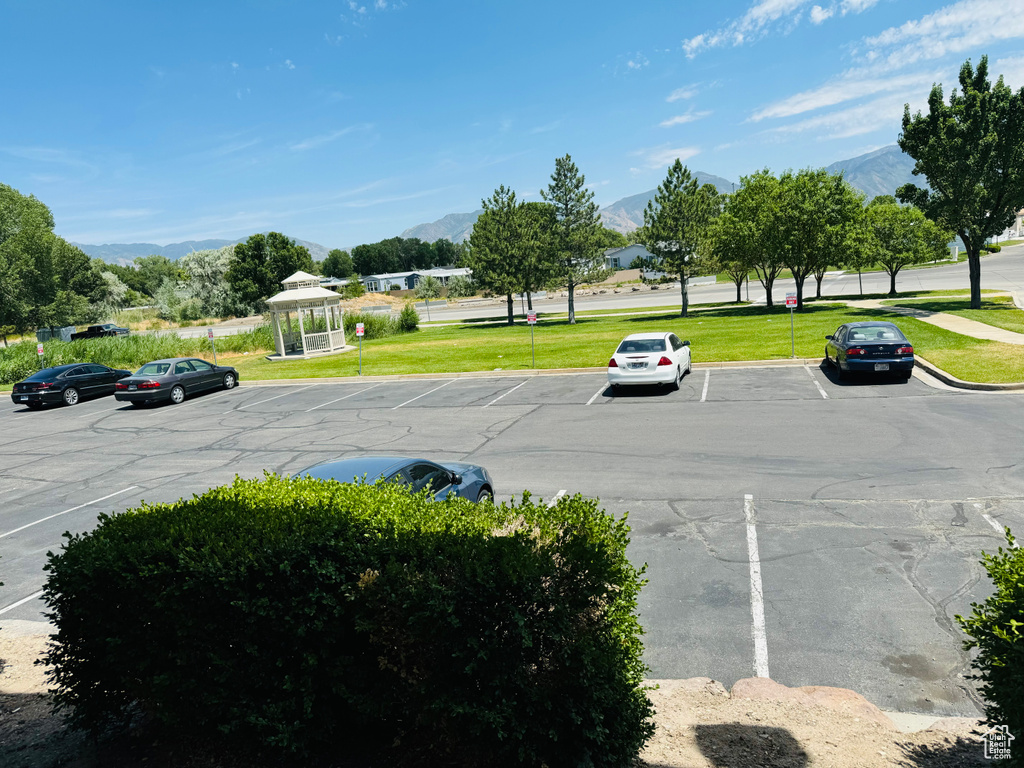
x=822 y=391
x=346 y=397
x=707 y=380
x=260 y=402
x=93 y=413
x=557 y=496
x=23 y=600
x=424 y=394
x=517 y=386
x=602 y=389
x=80 y=506
x=756 y=591
x=997 y=526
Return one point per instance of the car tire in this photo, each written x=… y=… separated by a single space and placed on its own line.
x=689 y=365
x=70 y=396
x=679 y=375
x=840 y=373
x=906 y=376
x=484 y=495
x=177 y=394
x=229 y=381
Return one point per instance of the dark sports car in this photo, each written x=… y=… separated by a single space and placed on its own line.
x=871 y=346
x=469 y=481
x=173 y=380
x=67 y=384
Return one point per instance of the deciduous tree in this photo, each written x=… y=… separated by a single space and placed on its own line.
x=757 y=204
x=338 y=264
x=971 y=151
x=901 y=235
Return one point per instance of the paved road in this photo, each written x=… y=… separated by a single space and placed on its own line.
x=869 y=501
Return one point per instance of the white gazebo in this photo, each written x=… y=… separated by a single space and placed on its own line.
x=316 y=329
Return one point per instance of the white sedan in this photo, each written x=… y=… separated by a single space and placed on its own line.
x=649 y=358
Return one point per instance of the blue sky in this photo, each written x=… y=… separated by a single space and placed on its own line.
x=348 y=122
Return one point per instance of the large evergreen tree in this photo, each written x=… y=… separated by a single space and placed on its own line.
x=677 y=226
x=971 y=151
x=576 y=236
x=497 y=244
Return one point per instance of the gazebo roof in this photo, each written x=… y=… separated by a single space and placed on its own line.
x=303 y=294
x=300 y=276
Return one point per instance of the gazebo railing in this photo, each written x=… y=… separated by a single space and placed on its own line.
x=337 y=339
x=317 y=342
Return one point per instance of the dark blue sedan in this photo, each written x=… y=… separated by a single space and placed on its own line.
x=469 y=481
x=871 y=346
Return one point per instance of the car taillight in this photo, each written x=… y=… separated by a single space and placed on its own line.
x=149 y=385
x=856 y=351
x=612 y=363
x=119 y=385
x=44 y=385
x=664 y=361
x=905 y=351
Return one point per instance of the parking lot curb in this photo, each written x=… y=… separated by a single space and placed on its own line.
x=498 y=373
x=953 y=381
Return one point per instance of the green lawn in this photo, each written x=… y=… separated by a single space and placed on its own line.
x=724 y=334
x=998 y=311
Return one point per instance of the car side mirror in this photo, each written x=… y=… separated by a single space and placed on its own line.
x=829 y=337
x=456 y=479
x=686 y=343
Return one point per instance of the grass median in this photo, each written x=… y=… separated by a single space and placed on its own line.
x=998 y=311
x=716 y=335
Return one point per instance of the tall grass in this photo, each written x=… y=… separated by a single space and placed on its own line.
x=20 y=360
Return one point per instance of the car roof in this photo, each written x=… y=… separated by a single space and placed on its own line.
x=345 y=470
x=871 y=322
x=659 y=335
x=170 y=360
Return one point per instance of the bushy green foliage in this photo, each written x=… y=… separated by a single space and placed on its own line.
x=460 y=287
x=992 y=247
x=293 y=617
x=376 y=325
x=409 y=318
x=129 y=352
x=996 y=629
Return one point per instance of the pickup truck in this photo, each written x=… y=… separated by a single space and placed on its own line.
x=96 y=331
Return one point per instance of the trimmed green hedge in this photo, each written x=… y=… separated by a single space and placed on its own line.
x=996 y=628
x=302 y=620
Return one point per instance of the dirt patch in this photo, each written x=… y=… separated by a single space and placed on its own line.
x=376 y=300
x=699 y=725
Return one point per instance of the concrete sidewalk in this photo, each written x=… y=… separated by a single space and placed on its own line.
x=953 y=323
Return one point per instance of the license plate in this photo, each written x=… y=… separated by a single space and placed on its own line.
x=638 y=365
x=881 y=366
x=24 y=399
x=136 y=386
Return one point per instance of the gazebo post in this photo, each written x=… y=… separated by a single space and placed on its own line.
x=278 y=338
x=302 y=329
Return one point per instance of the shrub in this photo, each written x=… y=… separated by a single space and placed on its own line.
x=992 y=247
x=461 y=287
x=409 y=319
x=995 y=628
x=290 y=617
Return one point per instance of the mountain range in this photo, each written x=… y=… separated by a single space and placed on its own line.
x=125 y=253
x=879 y=172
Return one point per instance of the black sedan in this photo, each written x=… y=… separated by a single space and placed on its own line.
x=871 y=346
x=173 y=379
x=67 y=384
x=470 y=481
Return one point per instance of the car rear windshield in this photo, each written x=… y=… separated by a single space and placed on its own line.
x=642 y=345
x=875 y=333
x=154 y=369
x=43 y=375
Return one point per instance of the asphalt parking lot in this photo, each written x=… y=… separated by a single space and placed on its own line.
x=820 y=532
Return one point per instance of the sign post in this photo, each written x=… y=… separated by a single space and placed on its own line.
x=360 y=331
x=791 y=303
x=209 y=335
x=39 y=351
x=531 y=318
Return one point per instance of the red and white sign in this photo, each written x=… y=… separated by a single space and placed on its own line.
x=359 y=329
x=39 y=349
x=209 y=333
x=531 y=317
x=790 y=299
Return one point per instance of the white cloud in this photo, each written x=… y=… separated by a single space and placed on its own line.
x=819 y=14
x=380 y=5
x=687 y=92
x=765 y=15
x=546 y=128
x=689 y=117
x=327 y=138
x=851 y=85
x=663 y=156
x=637 y=61
x=288 y=64
x=356 y=7
x=884 y=113
x=965 y=25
